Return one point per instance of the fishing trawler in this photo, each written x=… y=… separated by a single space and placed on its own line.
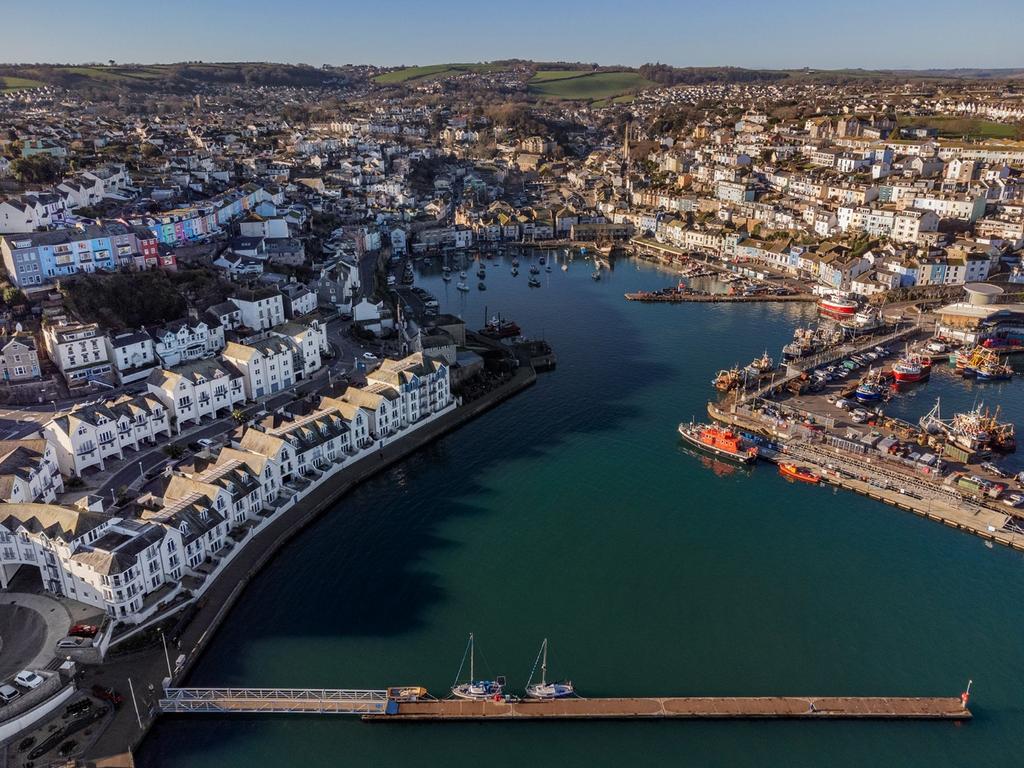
x=912 y=368
x=870 y=388
x=727 y=379
x=544 y=689
x=760 y=366
x=718 y=441
x=476 y=690
x=975 y=431
x=837 y=307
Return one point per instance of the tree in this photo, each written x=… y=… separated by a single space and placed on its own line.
x=36 y=169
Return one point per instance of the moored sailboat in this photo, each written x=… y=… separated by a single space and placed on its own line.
x=478 y=690
x=544 y=689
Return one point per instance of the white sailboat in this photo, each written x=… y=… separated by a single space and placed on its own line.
x=477 y=690
x=544 y=689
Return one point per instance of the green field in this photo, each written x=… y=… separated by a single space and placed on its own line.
x=544 y=75
x=589 y=85
x=957 y=127
x=434 y=70
x=8 y=84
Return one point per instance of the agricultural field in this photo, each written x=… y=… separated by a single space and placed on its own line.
x=588 y=85
x=959 y=127
x=8 y=84
x=409 y=74
x=544 y=75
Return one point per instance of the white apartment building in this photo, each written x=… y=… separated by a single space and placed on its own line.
x=89 y=435
x=132 y=354
x=197 y=390
x=185 y=340
x=78 y=350
x=423 y=384
x=964 y=207
x=310 y=342
x=29 y=471
x=265 y=364
x=261 y=309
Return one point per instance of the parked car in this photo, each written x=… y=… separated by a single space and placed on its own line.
x=75 y=642
x=206 y=442
x=859 y=415
x=844 y=403
x=8 y=693
x=78 y=707
x=1014 y=500
x=988 y=466
x=83 y=630
x=28 y=679
x=369 y=356
x=107 y=694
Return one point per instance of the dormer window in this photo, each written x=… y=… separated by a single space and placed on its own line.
x=183 y=527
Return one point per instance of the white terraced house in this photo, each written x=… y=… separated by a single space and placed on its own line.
x=184 y=340
x=132 y=355
x=29 y=471
x=382 y=407
x=89 y=435
x=261 y=309
x=94 y=558
x=319 y=439
x=79 y=351
x=197 y=390
x=203 y=528
x=265 y=364
x=423 y=384
x=310 y=340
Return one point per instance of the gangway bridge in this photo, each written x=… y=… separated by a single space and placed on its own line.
x=342 y=701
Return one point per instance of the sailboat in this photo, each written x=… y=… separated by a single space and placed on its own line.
x=478 y=690
x=544 y=689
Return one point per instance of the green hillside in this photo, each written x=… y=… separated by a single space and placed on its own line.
x=408 y=74
x=587 y=85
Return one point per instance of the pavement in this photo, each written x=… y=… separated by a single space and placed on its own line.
x=30 y=626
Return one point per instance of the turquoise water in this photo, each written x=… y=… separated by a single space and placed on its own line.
x=572 y=512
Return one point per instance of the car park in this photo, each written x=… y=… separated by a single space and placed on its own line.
x=28 y=679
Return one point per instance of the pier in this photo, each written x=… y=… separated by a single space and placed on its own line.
x=375 y=705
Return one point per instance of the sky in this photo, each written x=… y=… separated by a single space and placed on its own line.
x=746 y=33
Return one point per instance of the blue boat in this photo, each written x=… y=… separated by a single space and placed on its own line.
x=868 y=392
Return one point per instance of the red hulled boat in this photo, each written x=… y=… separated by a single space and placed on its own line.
x=837 y=307
x=718 y=441
x=911 y=368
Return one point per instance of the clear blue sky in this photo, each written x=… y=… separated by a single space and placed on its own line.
x=747 y=33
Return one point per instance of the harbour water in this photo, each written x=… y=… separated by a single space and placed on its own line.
x=572 y=512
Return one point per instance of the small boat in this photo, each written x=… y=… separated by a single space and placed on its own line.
x=565 y=267
x=533 y=282
x=481 y=286
x=544 y=689
x=515 y=262
x=596 y=274
x=462 y=274
x=727 y=379
x=481 y=273
x=541 y=260
x=477 y=690
x=515 y=271
x=547 y=268
x=794 y=472
x=446 y=275
x=718 y=441
x=534 y=269
x=461 y=285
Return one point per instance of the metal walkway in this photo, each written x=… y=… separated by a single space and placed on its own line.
x=342 y=701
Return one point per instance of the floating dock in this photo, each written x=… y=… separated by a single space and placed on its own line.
x=686 y=707
x=379 y=705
